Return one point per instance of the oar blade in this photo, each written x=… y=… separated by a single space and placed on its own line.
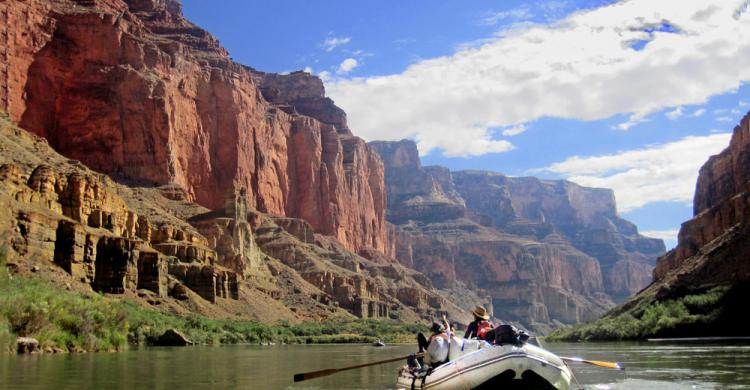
x=599 y=363
x=312 y=375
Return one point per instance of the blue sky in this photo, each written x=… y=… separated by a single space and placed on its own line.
x=631 y=95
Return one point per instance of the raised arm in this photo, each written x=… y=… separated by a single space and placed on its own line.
x=447 y=326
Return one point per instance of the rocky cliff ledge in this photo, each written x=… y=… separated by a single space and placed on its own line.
x=80 y=229
x=711 y=246
x=134 y=90
x=547 y=252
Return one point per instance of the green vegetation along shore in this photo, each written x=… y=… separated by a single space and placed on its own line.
x=695 y=314
x=67 y=321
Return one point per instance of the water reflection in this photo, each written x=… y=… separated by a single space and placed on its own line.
x=649 y=366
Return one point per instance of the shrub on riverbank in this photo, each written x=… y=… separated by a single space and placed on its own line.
x=146 y=325
x=57 y=318
x=91 y=322
x=679 y=317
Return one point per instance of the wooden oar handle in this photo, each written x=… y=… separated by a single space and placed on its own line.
x=321 y=373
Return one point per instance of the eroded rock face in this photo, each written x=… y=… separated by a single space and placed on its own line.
x=721 y=213
x=712 y=248
x=369 y=286
x=414 y=193
x=75 y=218
x=585 y=217
x=547 y=252
x=132 y=89
x=151 y=242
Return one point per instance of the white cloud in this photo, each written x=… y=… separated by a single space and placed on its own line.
x=325 y=76
x=516 y=14
x=308 y=70
x=725 y=119
x=670 y=234
x=699 y=112
x=514 y=130
x=657 y=173
x=581 y=67
x=333 y=42
x=674 y=114
x=634 y=119
x=347 y=66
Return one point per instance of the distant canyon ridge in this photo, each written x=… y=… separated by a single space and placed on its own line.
x=545 y=251
x=161 y=169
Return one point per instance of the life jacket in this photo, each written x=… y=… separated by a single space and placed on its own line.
x=440 y=335
x=482 y=328
x=437 y=350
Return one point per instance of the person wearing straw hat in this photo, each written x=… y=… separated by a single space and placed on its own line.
x=481 y=325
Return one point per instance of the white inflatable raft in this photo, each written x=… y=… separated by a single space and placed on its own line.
x=479 y=365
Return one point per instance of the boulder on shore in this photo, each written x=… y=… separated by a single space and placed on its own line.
x=172 y=338
x=27 y=345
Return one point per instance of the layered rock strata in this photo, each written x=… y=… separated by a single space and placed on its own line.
x=132 y=89
x=547 y=252
x=710 y=246
x=153 y=244
x=74 y=218
x=700 y=287
x=584 y=217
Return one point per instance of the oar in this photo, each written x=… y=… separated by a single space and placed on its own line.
x=599 y=363
x=321 y=373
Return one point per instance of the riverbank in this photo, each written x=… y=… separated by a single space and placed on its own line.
x=75 y=322
x=690 y=315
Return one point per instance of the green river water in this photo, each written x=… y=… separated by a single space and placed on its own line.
x=649 y=366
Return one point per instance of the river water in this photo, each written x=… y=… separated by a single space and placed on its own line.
x=648 y=366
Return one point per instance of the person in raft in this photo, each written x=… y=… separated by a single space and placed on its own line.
x=436 y=347
x=481 y=327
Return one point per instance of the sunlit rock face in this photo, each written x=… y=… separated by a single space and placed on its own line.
x=132 y=89
x=87 y=232
x=183 y=177
x=585 y=217
x=547 y=252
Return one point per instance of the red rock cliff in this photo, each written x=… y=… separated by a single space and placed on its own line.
x=133 y=89
x=544 y=251
x=721 y=210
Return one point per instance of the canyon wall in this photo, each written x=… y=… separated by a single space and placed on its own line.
x=585 y=217
x=546 y=252
x=700 y=287
x=81 y=230
x=132 y=89
x=710 y=246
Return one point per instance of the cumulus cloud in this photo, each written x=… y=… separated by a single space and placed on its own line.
x=699 y=112
x=582 y=67
x=657 y=173
x=347 y=66
x=333 y=42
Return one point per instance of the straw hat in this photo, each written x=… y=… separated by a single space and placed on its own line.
x=481 y=312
